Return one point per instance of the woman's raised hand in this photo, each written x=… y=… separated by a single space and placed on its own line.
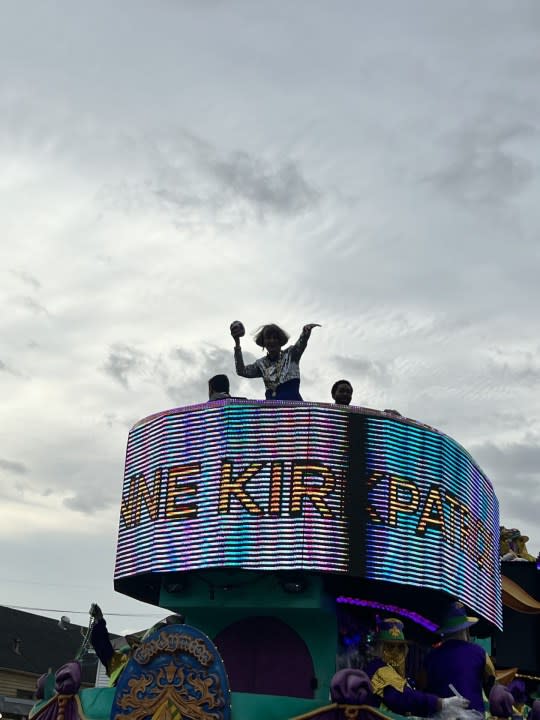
x=237 y=329
x=308 y=328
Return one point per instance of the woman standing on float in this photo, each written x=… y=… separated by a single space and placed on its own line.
x=279 y=369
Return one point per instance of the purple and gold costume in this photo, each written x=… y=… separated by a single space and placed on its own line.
x=393 y=691
x=464 y=664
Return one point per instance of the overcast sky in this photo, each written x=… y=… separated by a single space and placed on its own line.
x=168 y=167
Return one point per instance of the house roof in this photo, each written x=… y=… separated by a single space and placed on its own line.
x=32 y=644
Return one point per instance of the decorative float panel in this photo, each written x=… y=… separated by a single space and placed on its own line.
x=175 y=673
x=302 y=486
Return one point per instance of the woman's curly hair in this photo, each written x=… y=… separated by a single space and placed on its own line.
x=282 y=335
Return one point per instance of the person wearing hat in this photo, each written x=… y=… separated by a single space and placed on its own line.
x=517 y=543
x=279 y=369
x=387 y=674
x=458 y=661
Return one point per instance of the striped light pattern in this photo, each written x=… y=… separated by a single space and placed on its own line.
x=295 y=486
x=201 y=450
x=434 y=518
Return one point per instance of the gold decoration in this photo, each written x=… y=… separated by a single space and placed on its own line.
x=172 y=692
x=385 y=677
x=171 y=643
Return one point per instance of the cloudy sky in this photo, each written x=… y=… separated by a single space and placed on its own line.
x=169 y=167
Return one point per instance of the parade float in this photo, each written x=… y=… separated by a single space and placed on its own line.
x=279 y=530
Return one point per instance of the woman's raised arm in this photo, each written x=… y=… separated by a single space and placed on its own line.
x=300 y=345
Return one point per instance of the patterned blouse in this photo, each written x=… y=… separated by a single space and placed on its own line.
x=274 y=372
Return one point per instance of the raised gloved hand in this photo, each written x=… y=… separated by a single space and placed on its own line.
x=308 y=328
x=95 y=612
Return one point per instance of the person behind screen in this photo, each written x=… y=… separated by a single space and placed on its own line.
x=459 y=661
x=342 y=392
x=389 y=684
x=218 y=388
x=279 y=369
x=393 y=413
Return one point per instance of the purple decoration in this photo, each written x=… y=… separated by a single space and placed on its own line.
x=500 y=702
x=68 y=682
x=518 y=690
x=350 y=686
x=68 y=678
x=395 y=609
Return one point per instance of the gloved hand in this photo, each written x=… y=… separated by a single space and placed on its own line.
x=95 y=612
x=454 y=704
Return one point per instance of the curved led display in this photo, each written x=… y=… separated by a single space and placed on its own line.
x=301 y=486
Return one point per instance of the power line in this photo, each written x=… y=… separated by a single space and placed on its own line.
x=46 y=584
x=79 y=612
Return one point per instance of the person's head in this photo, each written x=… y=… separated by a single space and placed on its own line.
x=218 y=384
x=342 y=392
x=272 y=338
x=390 y=644
x=456 y=623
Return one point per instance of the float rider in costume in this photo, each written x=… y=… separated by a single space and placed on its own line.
x=459 y=661
x=113 y=660
x=387 y=674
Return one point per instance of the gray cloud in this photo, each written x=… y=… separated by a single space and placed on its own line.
x=122 y=362
x=184 y=175
x=485 y=168
x=27 y=278
x=378 y=371
x=519 y=368
x=281 y=189
x=385 y=186
x=112 y=419
x=15 y=467
x=181 y=373
x=89 y=501
x=32 y=305
x=515 y=470
x=188 y=375
x=9 y=370
x=518 y=459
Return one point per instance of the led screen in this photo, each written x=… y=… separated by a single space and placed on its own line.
x=275 y=486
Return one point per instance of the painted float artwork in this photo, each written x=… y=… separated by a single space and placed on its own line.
x=177 y=672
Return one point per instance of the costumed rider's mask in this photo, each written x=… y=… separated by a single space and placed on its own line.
x=395 y=654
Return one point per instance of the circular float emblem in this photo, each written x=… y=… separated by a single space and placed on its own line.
x=176 y=674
